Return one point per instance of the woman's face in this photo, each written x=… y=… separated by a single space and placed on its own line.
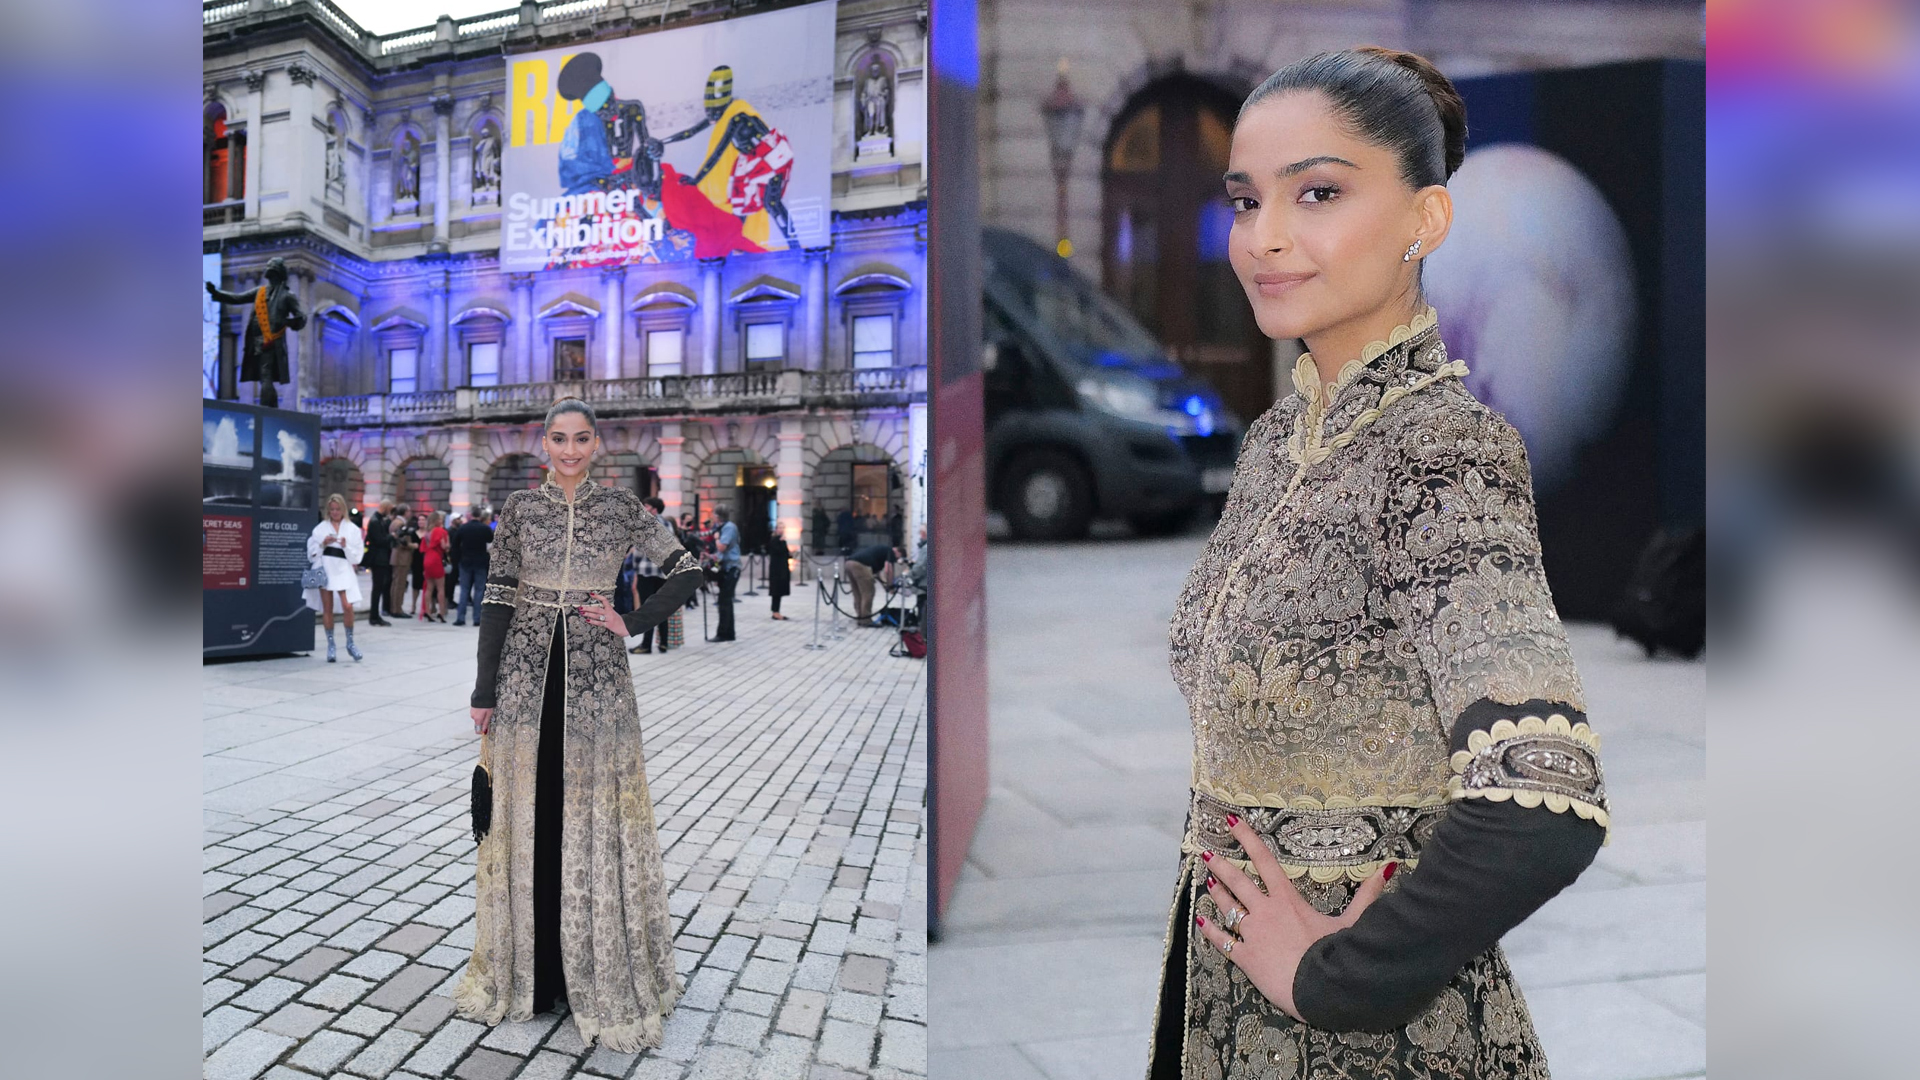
x=1320 y=218
x=336 y=511
x=570 y=444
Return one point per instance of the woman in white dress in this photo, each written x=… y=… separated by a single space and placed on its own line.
x=335 y=546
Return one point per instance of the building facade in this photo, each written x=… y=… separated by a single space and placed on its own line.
x=1158 y=84
x=789 y=386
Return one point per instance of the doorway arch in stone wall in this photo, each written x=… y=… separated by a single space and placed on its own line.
x=339 y=475
x=627 y=470
x=857 y=479
x=1164 y=221
x=510 y=473
x=424 y=483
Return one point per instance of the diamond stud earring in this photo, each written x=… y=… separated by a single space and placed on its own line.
x=1411 y=252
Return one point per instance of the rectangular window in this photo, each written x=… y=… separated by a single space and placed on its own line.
x=483 y=363
x=665 y=350
x=766 y=344
x=403 y=368
x=873 y=341
x=569 y=359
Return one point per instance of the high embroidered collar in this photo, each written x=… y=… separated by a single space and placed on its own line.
x=551 y=489
x=1409 y=351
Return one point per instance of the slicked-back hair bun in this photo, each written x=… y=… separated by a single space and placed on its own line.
x=572 y=404
x=1387 y=97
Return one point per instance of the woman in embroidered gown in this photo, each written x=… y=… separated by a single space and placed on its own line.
x=1392 y=765
x=570 y=894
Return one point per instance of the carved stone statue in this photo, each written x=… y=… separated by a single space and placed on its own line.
x=406 y=171
x=874 y=103
x=336 y=160
x=276 y=310
x=486 y=159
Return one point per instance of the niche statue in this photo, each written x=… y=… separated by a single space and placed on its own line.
x=264 y=357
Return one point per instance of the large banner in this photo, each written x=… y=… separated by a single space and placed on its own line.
x=259 y=501
x=676 y=145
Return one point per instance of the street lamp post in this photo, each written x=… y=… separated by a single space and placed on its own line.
x=1063 y=112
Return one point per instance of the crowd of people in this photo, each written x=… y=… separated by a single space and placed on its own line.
x=424 y=562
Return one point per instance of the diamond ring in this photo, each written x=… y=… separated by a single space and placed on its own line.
x=1232 y=918
x=1226 y=947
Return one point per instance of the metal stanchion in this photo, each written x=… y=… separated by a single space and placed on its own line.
x=834 y=629
x=819 y=583
x=751 y=562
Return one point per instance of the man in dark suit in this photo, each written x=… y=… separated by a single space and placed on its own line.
x=379 y=560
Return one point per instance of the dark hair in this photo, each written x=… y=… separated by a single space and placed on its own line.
x=657 y=504
x=1387 y=97
x=571 y=404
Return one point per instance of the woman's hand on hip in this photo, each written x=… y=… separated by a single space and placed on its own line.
x=1278 y=927
x=482 y=719
x=603 y=615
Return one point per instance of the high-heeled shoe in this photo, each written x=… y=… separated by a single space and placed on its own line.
x=330 y=656
x=351 y=651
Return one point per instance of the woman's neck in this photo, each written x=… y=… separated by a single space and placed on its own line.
x=1337 y=346
x=568 y=484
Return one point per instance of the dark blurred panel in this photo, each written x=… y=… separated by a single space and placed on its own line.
x=99 y=286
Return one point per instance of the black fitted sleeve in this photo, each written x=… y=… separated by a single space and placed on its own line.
x=683 y=577
x=1528 y=816
x=497 y=606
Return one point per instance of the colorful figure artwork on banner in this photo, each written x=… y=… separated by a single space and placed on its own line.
x=605 y=161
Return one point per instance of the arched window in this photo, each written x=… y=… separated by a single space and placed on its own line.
x=225 y=163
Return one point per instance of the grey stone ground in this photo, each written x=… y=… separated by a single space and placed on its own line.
x=789 y=787
x=1051 y=950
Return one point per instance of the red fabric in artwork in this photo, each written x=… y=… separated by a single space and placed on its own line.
x=715 y=232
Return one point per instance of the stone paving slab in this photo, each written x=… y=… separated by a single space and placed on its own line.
x=1051 y=949
x=789 y=789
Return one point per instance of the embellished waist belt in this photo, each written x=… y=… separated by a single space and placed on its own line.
x=560 y=598
x=1327 y=843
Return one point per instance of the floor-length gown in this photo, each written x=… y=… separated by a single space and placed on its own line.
x=570 y=894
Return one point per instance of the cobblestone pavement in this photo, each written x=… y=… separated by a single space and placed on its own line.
x=789 y=789
x=1072 y=866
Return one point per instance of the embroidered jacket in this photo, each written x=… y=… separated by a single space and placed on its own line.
x=1375 y=672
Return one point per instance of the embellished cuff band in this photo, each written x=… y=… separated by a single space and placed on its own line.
x=1534 y=762
x=500 y=590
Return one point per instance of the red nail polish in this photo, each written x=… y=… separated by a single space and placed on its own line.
x=1206 y=856
x=1387 y=874
x=1209 y=881
x=1232 y=820
x=1200 y=920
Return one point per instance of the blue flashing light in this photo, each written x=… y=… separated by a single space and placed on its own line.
x=1195 y=406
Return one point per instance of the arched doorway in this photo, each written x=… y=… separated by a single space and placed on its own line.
x=737 y=479
x=627 y=470
x=1165 y=219
x=340 y=475
x=424 y=484
x=511 y=473
x=856 y=499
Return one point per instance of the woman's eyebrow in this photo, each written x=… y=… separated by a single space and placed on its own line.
x=1237 y=177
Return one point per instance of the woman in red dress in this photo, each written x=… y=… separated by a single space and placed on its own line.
x=435 y=549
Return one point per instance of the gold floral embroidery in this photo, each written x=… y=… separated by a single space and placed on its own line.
x=616 y=935
x=1534 y=762
x=1376 y=569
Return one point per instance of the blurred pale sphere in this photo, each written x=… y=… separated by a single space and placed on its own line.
x=1535 y=290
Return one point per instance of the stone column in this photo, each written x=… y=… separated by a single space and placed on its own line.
x=372 y=472
x=917 y=479
x=791 y=475
x=816 y=290
x=442 y=166
x=521 y=362
x=710 y=316
x=366 y=359
x=299 y=141
x=256 y=139
x=434 y=365
x=672 y=468
x=460 y=466
x=614 y=321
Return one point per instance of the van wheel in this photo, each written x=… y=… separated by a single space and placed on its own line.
x=1165 y=523
x=1046 y=495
